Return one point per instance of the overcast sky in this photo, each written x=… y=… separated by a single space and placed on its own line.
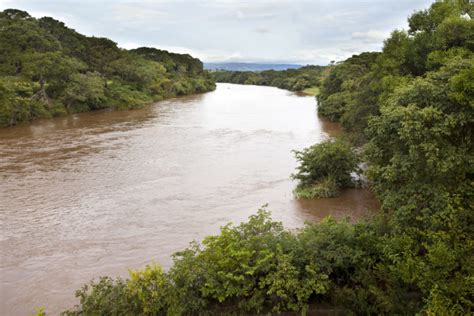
x=304 y=32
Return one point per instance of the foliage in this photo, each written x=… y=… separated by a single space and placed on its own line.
x=324 y=168
x=107 y=296
x=347 y=93
x=259 y=267
x=85 y=89
x=149 y=289
x=47 y=69
x=290 y=79
x=312 y=91
x=145 y=293
x=412 y=109
x=252 y=267
x=324 y=188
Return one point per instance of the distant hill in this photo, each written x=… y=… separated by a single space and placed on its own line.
x=249 y=66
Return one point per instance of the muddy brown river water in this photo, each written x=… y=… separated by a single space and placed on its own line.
x=99 y=193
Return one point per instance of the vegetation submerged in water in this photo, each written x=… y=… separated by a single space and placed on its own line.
x=47 y=69
x=324 y=188
x=324 y=169
x=411 y=106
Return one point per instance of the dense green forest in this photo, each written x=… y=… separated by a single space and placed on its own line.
x=410 y=111
x=290 y=79
x=47 y=69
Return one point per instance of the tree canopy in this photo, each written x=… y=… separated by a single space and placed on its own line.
x=48 y=69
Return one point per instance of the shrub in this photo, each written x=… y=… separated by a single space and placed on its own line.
x=105 y=297
x=149 y=289
x=259 y=267
x=249 y=267
x=325 y=188
x=252 y=267
x=324 y=168
x=121 y=96
x=145 y=293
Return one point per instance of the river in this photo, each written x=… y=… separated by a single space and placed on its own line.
x=98 y=193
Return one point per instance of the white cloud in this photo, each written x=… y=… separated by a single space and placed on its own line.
x=370 y=37
x=129 y=45
x=137 y=12
x=324 y=55
x=249 y=14
x=204 y=55
x=65 y=18
x=5 y=4
x=300 y=31
x=262 y=30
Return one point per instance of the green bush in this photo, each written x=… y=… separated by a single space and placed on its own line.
x=324 y=168
x=259 y=267
x=149 y=289
x=248 y=268
x=252 y=267
x=122 y=97
x=145 y=293
x=105 y=297
x=325 y=188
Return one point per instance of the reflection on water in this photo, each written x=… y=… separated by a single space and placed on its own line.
x=99 y=193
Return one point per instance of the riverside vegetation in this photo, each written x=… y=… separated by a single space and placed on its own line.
x=324 y=169
x=47 y=69
x=305 y=78
x=411 y=109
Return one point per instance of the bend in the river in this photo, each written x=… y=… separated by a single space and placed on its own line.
x=97 y=193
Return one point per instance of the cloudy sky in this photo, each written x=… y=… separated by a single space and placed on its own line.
x=304 y=32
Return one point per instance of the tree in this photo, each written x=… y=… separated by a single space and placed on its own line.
x=324 y=168
x=62 y=70
x=85 y=91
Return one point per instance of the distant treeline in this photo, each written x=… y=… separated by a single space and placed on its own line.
x=235 y=66
x=47 y=69
x=290 y=79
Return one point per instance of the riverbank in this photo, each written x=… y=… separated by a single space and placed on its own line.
x=61 y=115
x=53 y=70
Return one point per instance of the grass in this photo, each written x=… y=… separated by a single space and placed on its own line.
x=312 y=91
x=326 y=188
